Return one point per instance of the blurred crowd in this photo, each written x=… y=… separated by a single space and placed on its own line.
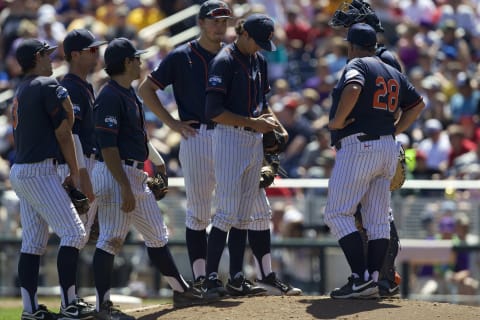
x=436 y=41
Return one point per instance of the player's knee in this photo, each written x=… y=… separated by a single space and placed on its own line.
x=112 y=245
x=196 y=223
x=379 y=231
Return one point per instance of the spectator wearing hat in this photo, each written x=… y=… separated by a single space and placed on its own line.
x=436 y=146
x=465 y=101
x=459 y=143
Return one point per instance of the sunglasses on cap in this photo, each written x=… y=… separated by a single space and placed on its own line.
x=219 y=12
x=91 y=49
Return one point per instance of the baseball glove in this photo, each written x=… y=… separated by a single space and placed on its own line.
x=159 y=185
x=274 y=142
x=400 y=173
x=79 y=200
x=271 y=166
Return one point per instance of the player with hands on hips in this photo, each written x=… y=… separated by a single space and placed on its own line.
x=42 y=117
x=119 y=181
x=370 y=92
x=185 y=68
x=236 y=101
x=345 y=16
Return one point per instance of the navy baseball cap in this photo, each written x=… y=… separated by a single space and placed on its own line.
x=119 y=49
x=27 y=50
x=80 y=39
x=362 y=35
x=214 y=9
x=260 y=27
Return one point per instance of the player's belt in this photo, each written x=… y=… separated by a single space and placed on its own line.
x=134 y=163
x=210 y=126
x=361 y=138
x=92 y=156
x=245 y=128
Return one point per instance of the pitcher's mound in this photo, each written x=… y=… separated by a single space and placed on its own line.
x=311 y=307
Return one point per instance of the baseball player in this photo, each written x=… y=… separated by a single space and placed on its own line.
x=119 y=181
x=235 y=100
x=183 y=68
x=42 y=121
x=346 y=15
x=362 y=124
x=82 y=52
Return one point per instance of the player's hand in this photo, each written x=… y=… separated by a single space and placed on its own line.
x=128 y=199
x=71 y=180
x=265 y=123
x=335 y=125
x=184 y=128
x=86 y=184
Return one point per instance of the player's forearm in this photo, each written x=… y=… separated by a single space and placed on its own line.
x=408 y=118
x=65 y=140
x=347 y=103
x=112 y=159
x=147 y=91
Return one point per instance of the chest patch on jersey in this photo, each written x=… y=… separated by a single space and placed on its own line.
x=61 y=93
x=214 y=80
x=111 y=121
x=351 y=74
x=76 y=108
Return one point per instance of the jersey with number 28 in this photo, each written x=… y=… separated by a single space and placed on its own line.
x=384 y=90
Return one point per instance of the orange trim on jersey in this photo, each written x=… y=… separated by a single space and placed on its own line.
x=413 y=104
x=205 y=64
x=106 y=129
x=216 y=89
x=159 y=84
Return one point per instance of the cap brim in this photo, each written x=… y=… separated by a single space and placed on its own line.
x=139 y=52
x=49 y=50
x=266 y=45
x=97 y=44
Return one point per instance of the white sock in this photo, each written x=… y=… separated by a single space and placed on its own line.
x=366 y=275
x=375 y=275
x=175 y=285
x=106 y=297
x=27 y=303
x=198 y=268
x=71 y=296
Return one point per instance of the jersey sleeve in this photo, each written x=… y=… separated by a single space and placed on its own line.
x=54 y=95
x=107 y=117
x=265 y=83
x=164 y=74
x=77 y=103
x=354 y=72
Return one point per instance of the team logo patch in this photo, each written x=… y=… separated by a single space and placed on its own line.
x=111 y=121
x=61 y=93
x=351 y=74
x=76 y=108
x=215 y=80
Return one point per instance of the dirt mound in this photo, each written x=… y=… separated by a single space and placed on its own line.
x=311 y=307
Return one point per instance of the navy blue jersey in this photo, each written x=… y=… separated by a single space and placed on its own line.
x=186 y=69
x=82 y=97
x=37 y=112
x=388 y=57
x=384 y=90
x=120 y=122
x=242 y=79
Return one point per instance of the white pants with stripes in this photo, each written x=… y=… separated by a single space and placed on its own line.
x=197 y=165
x=238 y=157
x=114 y=223
x=89 y=217
x=44 y=203
x=361 y=174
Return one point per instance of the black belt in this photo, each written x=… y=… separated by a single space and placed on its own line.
x=245 y=128
x=131 y=163
x=89 y=155
x=361 y=138
x=210 y=126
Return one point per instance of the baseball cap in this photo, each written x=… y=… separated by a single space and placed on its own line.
x=26 y=51
x=79 y=39
x=433 y=125
x=362 y=35
x=119 y=49
x=214 y=9
x=260 y=27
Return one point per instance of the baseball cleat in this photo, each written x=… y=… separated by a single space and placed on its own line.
x=275 y=287
x=356 y=288
x=41 y=313
x=213 y=287
x=241 y=287
x=388 y=289
x=78 y=309
x=109 y=312
x=191 y=297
